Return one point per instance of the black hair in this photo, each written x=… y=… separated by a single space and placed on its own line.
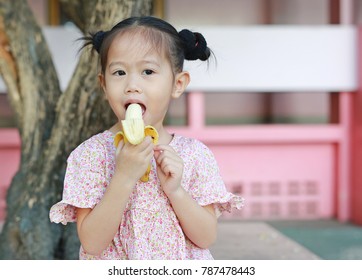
x=180 y=45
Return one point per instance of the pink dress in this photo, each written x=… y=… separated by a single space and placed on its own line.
x=149 y=229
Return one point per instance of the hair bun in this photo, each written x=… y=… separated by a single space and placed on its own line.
x=195 y=46
x=97 y=40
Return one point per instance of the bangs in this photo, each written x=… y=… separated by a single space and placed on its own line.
x=147 y=39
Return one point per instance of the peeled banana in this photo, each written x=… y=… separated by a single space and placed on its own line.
x=134 y=131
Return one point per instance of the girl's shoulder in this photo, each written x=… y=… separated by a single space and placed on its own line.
x=190 y=146
x=179 y=141
x=97 y=144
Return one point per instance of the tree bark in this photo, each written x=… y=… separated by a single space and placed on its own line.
x=51 y=123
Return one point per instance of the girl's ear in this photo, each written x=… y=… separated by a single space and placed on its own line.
x=102 y=83
x=182 y=80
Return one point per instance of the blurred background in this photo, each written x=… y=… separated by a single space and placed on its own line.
x=279 y=107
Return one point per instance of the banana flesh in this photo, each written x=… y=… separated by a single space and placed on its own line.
x=134 y=131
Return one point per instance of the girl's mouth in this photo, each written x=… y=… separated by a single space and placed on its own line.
x=136 y=102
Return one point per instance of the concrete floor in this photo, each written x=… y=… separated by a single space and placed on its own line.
x=256 y=241
x=329 y=239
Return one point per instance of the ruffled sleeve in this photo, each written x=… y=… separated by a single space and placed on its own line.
x=84 y=182
x=207 y=186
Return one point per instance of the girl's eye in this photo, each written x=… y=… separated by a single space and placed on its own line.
x=119 y=73
x=148 y=72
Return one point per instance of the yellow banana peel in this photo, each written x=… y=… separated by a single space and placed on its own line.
x=134 y=131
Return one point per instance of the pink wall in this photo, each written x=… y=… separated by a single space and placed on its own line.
x=9 y=162
x=357 y=144
x=283 y=171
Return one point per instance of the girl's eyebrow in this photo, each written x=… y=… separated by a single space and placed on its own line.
x=144 y=61
x=150 y=61
x=115 y=63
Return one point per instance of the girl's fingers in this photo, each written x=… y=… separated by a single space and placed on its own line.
x=168 y=161
x=119 y=147
x=164 y=148
x=169 y=156
x=161 y=156
x=167 y=166
x=146 y=146
x=142 y=152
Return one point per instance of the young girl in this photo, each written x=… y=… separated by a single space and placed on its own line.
x=174 y=214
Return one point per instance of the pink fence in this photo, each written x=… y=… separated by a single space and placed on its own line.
x=9 y=162
x=283 y=171
x=356 y=192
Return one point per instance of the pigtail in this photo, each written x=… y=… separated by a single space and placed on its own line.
x=98 y=40
x=94 y=39
x=195 y=46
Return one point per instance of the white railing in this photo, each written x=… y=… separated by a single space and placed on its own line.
x=259 y=58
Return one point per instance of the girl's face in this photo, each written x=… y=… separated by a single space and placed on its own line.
x=138 y=73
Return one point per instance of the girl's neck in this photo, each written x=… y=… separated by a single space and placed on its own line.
x=165 y=137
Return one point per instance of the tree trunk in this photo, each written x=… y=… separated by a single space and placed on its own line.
x=51 y=123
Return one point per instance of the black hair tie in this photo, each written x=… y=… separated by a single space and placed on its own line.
x=97 y=40
x=195 y=46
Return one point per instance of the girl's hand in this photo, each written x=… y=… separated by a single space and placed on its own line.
x=169 y=168
x=133 y=160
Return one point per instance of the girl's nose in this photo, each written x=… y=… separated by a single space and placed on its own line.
x=133 y=85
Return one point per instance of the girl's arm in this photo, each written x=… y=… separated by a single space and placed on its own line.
x=98 y=226
x=198 y=223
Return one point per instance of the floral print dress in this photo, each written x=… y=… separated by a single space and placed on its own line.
x=149 y=229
